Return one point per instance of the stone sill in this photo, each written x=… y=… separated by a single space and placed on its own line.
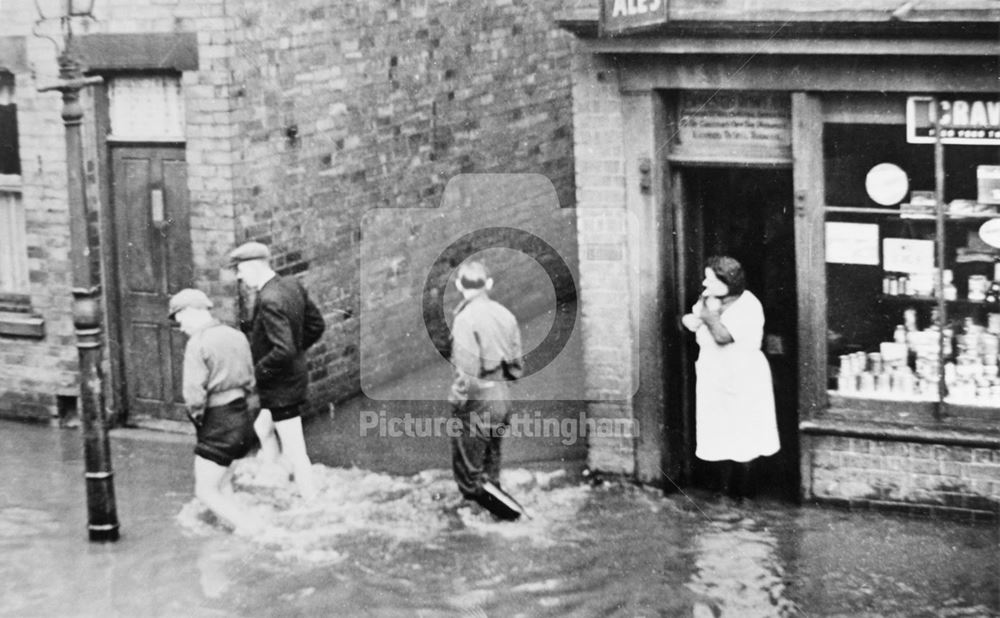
x=21 y=325
x=920 y=416
x=870 y=430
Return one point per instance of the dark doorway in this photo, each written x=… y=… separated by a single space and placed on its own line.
x=746 y=213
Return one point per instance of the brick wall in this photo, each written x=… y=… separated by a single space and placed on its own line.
x=342 y=108
x=926 y=477
x=34 y=372
x=602 y=222
x=302 y=116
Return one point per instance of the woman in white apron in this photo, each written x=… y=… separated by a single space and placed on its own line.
x=734 y=412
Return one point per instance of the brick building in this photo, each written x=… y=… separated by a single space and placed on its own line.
x=757 y=129
x=283 y=122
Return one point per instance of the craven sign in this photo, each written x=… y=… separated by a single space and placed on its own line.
x=967 y=120
x=621 y=16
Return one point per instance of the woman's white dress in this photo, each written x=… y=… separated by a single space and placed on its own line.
x=734 y=413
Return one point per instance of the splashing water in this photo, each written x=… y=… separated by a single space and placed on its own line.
x=355 y=503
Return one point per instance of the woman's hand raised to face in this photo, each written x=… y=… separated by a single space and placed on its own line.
x=691 y=322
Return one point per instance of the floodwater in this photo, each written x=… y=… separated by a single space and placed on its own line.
x=376 y=544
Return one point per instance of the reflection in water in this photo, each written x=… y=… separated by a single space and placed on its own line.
x=737 y=572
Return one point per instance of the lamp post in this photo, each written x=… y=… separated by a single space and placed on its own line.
x=102 y=517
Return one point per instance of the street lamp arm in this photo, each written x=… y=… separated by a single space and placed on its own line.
x=76 y=83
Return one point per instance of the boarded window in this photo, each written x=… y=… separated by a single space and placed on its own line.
x=146 y=108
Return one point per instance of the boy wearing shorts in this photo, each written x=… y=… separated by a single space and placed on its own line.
x=218 y=380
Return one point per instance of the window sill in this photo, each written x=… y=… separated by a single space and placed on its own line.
x=872 y=430
x=21 y=325
x=919 y=415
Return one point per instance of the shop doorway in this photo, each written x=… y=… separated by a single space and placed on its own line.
x=746 y=213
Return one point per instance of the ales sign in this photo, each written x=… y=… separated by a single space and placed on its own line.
x=963 y=120
x=620 y=16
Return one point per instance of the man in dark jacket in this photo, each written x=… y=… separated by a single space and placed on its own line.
x=285 y=324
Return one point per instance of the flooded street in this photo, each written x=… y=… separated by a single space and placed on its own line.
x=402 y=545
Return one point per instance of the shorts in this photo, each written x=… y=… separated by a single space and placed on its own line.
x=284 y=413
x=226 y=433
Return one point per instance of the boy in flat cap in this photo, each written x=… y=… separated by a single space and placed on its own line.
x=285 y=324
x=218 y=379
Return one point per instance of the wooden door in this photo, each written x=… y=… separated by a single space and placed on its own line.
x=153 y=256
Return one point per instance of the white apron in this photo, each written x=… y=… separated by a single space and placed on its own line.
x=734 y=413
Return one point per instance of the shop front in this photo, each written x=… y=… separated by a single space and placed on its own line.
x=849 y=159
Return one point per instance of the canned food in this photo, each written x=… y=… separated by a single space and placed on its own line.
x=875 y=364
x=989 y=345
x=847 y=383
x=978 y=285
x=883 y=384
x=993 y=323
x=866 y=382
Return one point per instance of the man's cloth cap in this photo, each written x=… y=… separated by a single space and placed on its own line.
x=249 y=251
x=187 y=298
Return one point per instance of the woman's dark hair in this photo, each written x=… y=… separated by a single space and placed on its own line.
x=729 y=271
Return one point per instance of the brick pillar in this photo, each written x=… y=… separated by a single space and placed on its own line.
x=605 y=289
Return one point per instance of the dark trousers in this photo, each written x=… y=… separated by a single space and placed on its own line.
x=475 y=453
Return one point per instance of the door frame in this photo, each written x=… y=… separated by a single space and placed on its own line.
x=121 y=324
x=685 y=232
x=115 y=388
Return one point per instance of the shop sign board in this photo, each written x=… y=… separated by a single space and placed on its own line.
x=733 y=126
x=963 y=120
x=622 y=16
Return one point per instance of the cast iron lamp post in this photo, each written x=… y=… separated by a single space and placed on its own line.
x=102 y=517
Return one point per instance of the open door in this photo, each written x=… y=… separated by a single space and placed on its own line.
x=746 y=213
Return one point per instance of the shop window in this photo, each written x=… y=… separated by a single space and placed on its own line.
x=13 y=250
x=913 y=287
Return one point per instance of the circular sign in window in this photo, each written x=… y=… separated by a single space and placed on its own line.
x=887 y=184
x=989 y=232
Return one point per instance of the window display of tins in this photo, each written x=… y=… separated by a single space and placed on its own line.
x=913 y=275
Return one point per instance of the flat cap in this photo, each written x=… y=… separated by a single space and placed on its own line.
x=187 y=298
x=249 y=251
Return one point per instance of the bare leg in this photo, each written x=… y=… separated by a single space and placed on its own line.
x=226 y=482
x=208 y=477
x=293 y=447
x=264 y=428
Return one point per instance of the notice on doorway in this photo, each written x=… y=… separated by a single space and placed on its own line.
x=733 y=126
x=852 y=243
